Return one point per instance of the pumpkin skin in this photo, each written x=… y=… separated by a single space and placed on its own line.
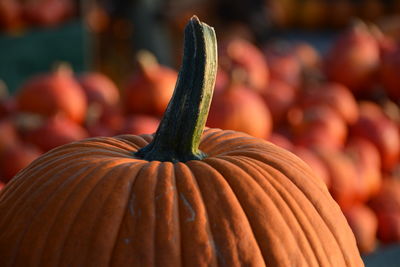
x=249 y=203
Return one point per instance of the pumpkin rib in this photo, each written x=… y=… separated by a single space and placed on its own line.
x=19 y=197
x=132 y=185
x=75 y=225
x=232 y=143
x=211 y=233
x=52 y=227
x=134 y=141
x=38 y=166
x=36 y=196
x=63 y=154
x=224 y=167
x=281 y=197
x=68 y=227
x=117 y=142
x=270 y=155
x=186 y=173
x=167 y=231
x=128 y=252
x=140 y=222
x=103 y=220
x=285 y=197
x=332 y=228
x=234 y=241
x=211 y=141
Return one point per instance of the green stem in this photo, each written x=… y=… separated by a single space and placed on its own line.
x=179 y=133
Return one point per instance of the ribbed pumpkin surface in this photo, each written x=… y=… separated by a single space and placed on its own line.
x=250 y=203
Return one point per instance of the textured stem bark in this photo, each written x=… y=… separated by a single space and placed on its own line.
x=179 y=133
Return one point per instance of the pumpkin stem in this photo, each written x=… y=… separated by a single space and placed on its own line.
x=179 y=133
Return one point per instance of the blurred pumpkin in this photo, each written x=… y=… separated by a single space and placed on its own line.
x=47 y=12
x=364 y=224
x=367 y=160
x=375 y=126
x=386 y=205
x=139 y=124
x=279 y=97
x=15 y=157
x=10 y=15
x=342 y=175
x=317 y=125
x=99 y=89
x=283 y=63
x=53 y=93
x=53 y=132
x=389 y=74
x=243 y=54
x=353 y=59
x=234 y=105
x=335 y=95
x=150 y=88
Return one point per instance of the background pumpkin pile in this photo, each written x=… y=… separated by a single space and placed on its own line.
x=339 y=112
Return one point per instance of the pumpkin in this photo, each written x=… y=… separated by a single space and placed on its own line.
x=150 y=88
x=316 y=164
x=53 y=93
x=386 y=205
x=234 y=105
x=283 y=63
x=342 y=175
x=99 y=89
x=307 y=55
x=10 y=16
x=9 y=133
x=317 y=125
x=15 y=157
x=364 y=224
x=335 y=95
x=48 y=12
x=389 y=73
x=139 y=124
x=354 y=58
x=374 y=125
x=367 y=161
x=183 y=197
x=240 y=53
x=53 y=132
x=279 y=98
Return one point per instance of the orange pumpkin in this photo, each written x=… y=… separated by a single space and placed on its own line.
x=374 y=125
x=53 y=93
x=354 y=58
x=160 y=201
x=242 y=54
x=99 y=89
x=14 y=158
x=335 y=95
x=367 y=161
x=53 y=132
x=342 y=175
x=364 y=224
x=150 y=89
x=233 y=106
x=386 y=205
x=139 y=124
